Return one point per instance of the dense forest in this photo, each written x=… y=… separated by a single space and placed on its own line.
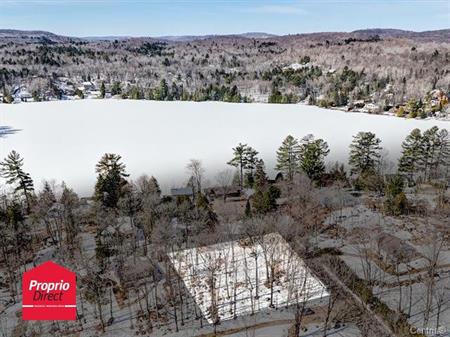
x=374 y=70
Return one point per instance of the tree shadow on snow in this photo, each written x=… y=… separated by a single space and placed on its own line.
x=7 y=130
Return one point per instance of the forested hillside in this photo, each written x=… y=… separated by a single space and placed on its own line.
x=406 y=73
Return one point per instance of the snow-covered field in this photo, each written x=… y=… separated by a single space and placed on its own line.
x=233 y=278
x=64 y=140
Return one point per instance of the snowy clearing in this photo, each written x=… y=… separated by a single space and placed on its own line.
x=64 y=140
x=264 y=269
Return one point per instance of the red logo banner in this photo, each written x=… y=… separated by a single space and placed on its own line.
x=49 y=292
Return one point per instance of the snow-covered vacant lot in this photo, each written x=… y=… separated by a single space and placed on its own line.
x=236 y=278
x=64 y=140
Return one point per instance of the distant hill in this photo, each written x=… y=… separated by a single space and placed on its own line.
x=25 y=33
x=187 y=38
x=34 y=35
x=39 y=34
x=257 y=35
x=384 y=67
x=106 y=38
x=435 y=35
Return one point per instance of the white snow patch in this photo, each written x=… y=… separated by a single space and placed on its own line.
x=242 y=266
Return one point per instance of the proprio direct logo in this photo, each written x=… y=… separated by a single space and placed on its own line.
x=49 y=293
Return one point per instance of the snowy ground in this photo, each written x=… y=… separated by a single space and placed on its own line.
x=312 y=331
x=357 y=221
x=243 y=266
x=273 y=322
x=64 y=140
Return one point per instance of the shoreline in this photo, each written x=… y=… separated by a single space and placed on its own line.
x=340 y=109
x=64 y=141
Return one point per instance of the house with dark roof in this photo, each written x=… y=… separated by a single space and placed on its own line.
x=392 y=249
x=182 y=192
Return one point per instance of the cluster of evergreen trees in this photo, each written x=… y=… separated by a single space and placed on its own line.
x=277 y=97
x=341 y=87
x=305 y=156
x=425 y=155
x=245 y=159
x=177 y=92
x=219 y=93
x=265 y=196
x=308 y=80
x=252 y=174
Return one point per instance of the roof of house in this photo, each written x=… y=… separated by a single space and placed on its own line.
x=396 y=248
x=218 y=190
x=135 y=270
x=184 y=191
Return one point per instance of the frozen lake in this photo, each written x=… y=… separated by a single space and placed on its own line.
x=63 y=140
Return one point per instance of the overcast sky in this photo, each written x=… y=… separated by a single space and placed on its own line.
x=186 y=17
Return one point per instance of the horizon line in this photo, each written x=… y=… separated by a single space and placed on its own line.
x=112 y=35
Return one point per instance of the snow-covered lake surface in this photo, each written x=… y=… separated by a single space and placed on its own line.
x=64 y=140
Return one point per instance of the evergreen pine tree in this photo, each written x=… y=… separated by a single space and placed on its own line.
x=116 y=89
x=110 y=180
x=244 y=158
x=264 y=198
x=259 y=200
x=248 y=209
x=411 y=158
x=251 y=156
x=430 y=146
x=436 y=147
x=312 y=156
x=365 y=153
x=154 y=186
x=11 y=169
x=260 y=176
x=69 y=200
x=443 y=152
x=20 y=238
x=201 y=201
x=47 y=196
x=102 y=90
x=288 y=157
x=162 y=93
x=396 y=202
x=175 y=92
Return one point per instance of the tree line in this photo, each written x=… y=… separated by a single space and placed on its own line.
x=425 y=157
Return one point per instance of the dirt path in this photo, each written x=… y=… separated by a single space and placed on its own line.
x=356 y=298
x=255 y=326
x=317 y=317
